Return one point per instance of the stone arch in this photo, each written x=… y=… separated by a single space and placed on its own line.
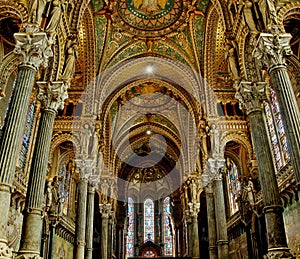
x=13 y=9
x=238 y=138
x=58 y=139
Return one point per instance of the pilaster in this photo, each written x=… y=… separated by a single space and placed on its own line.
x=271 y=50
x=251 y=96
x=34 y=50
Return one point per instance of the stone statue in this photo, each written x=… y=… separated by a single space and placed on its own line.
x=56 y=202
x=85 y=139
x=104 y=191
x=232 y=60
x=72 y=54
x=250 y=193
x=37 y=10
x=193 y=190
x=55 y=15
x=248 y=16
x=215 y=141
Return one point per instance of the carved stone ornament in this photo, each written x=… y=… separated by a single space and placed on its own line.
x=52 y=95
x=5 y=251
x=34 y=47
x=85 y=168
x=105 y=210
x=251 y=95
x=271 y=49
x=213 y=171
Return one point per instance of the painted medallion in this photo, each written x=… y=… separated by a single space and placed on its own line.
x=150 y=18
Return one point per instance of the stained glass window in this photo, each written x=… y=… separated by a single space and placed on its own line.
x=26 y=136
x=168 y=241
x=64 y=187
x=234 y=185
x=148 y=220
x=277 y=134
x=130 y=230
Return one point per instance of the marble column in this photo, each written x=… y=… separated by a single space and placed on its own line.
x=85 y=167
x=90 y=222
x=191 y=216
x=251 y=96
x=211 y=220
x=214 y=169
x=105 y=210
x=34 y=50
x=271 y=49
x=52 y=97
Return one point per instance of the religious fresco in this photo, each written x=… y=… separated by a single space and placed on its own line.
x=143 y=17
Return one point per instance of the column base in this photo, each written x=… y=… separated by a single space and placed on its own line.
x=5 y=251
x=281 y=252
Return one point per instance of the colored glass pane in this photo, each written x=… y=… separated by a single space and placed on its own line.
x=168 y=241
x=64 y=187
x=148 y=220
x=130 y=230
x=234 y=185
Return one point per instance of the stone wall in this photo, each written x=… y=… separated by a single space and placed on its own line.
x=238 y=247
x=62 y=248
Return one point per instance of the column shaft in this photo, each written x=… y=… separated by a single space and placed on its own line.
x=81 y=218
x=104 y=237
x=222 y=239
x=211 y=220
x=32 y=223
x=12 y=133
x=251 y=96
x=290 y=111
x=90 y=223
x=270 y=192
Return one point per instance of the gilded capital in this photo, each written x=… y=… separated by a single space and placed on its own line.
x=52 y=95
x=251 y=95
x=85 y=167
x=33 y=46
x=271 y=49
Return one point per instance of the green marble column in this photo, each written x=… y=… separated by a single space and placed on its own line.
x=251 y=96
x=271 y=50
x=90 y=222
x=214 y=171
x=52 y=97
x=105 y=210
x=85 y=167
x=34 y=49
x=191 y=217
x=211 y=220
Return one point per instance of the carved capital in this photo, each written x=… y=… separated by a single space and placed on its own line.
x=105 y=210
x=271 y=49
x=251 y=95
x=5 y=251
x=85 y=167
x=33 y=46
x=213 y=170
x=52 y=95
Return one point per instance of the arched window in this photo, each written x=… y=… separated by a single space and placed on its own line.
x=233 y=183
x=64 y=186
x=168 y=241
x=148 y=220
x=277 y=134
x=130 y=230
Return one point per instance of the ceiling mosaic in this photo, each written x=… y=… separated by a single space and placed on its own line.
x=149 y=18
